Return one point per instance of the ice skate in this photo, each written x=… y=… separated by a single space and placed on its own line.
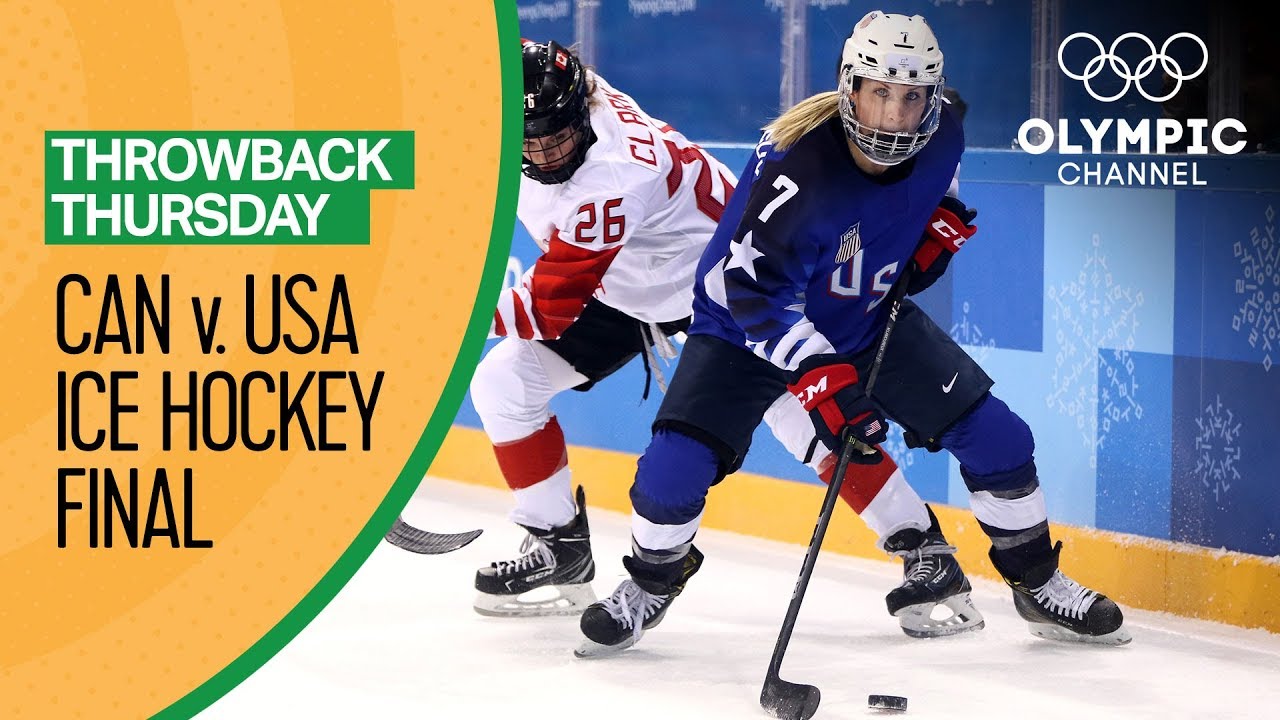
x=552 y=577
x=1059 y=608
x=640 y=602
x=933 y=599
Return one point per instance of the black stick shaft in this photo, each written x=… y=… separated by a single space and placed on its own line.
x=899 y=291
x=848 y=446
x=811 y=557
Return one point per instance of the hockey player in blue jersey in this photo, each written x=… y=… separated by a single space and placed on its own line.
x=622 y=228
x=846 y=189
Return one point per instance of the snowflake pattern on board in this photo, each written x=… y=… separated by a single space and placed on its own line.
x=1259 y=288
x=1217 y=449
x=897 y=447
x=967 y=333
x=1092 y=313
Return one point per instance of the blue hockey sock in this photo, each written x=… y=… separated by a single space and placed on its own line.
x=669 y=493
x=990 y=439
x=995 y=449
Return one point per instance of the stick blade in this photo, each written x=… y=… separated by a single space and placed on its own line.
x=424 y=542
x=788 y=700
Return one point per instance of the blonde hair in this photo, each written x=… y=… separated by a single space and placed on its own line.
x=589 y=73
x=593 y=98
x=804 y=116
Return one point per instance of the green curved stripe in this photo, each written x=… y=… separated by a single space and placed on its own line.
x=441 y=419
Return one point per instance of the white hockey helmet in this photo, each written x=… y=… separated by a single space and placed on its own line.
x=891 y=49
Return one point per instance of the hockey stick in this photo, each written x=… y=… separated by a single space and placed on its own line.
x=797 y=701
x=424 y=542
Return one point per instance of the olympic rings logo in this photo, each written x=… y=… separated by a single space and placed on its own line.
x=1133 y=76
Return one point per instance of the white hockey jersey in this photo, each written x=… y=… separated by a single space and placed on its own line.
x=628 y=228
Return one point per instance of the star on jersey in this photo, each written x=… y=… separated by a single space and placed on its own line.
x=744 y=256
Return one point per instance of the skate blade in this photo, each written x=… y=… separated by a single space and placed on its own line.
x=569 y=600
x=917 y=621
x=1119 y=636
x=592 y=650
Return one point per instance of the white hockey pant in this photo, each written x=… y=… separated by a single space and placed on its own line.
x=512 y=390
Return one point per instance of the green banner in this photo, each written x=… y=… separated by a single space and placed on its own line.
x=219 y=188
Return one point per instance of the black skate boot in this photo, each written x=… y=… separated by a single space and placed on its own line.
x=558 y=559
x=1059 y=608
x=640 y=602
x=931 y=577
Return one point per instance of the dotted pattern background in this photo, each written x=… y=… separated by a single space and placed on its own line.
x=121 y=632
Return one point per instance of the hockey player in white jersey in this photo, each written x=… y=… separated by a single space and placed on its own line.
x=622 y=207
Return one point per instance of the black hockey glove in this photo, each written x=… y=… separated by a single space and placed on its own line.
x=828 y=388
x=947 y=230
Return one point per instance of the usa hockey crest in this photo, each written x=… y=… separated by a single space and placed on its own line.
x=850 y=243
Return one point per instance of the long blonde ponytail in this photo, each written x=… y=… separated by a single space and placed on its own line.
x=803 y=117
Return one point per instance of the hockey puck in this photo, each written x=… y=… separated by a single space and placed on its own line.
x=887 y=702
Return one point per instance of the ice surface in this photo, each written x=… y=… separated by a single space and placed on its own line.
x=401 y=640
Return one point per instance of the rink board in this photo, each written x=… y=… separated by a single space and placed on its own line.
x=1223 y=586
x=1136 y=330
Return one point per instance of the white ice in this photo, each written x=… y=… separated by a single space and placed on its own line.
x=401 y=640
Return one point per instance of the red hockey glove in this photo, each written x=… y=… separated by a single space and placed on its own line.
x=947 y=230
x=827 y=386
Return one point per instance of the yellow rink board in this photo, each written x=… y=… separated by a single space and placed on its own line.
x=1138 y=572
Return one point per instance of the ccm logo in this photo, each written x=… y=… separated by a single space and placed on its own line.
x=942 y=228
x=807 y=395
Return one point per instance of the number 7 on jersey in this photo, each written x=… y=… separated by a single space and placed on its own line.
x=789 y=190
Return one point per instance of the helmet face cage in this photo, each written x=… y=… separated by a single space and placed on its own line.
x=884 y=147
x=565 y=151
x=557 y=121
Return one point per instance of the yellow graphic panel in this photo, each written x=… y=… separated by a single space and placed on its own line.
x=201 y=442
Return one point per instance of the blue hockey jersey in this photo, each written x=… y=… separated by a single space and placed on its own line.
x=809 y=244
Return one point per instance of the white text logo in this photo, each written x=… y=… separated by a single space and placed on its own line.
x=1105 y=137
x=807 y=395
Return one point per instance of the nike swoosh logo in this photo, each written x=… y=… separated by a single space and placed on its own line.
x=947 y=388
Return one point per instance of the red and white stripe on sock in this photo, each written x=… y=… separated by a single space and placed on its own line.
x=536 y=469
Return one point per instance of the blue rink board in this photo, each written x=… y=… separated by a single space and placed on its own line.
x=1131 y=329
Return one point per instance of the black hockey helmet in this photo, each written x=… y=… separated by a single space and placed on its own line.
x=557 y=123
